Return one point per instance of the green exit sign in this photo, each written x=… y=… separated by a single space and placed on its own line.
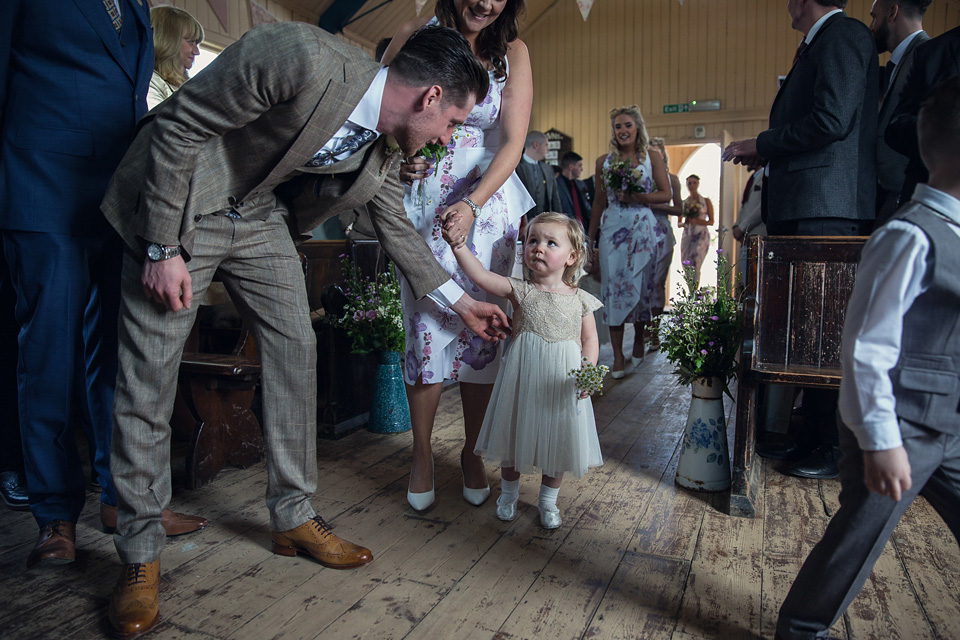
x=676 y=108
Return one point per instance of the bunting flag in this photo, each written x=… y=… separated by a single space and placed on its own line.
x=259 y=15
x=220 y=8
x=419 y=4
x=585 y=6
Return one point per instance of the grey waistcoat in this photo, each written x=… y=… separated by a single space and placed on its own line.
x=925 y=380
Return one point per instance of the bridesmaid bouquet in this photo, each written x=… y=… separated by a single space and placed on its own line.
x=700 y=333
x=621 y=176
x=431 y=151
x=589 y=377
x=692 y=210
x=372 y=314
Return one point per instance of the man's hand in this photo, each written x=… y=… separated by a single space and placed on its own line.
x=483 y=318
x=743 y=152
x=737 y=233
x=887 y=472
x=168 y=282
x=415 y=168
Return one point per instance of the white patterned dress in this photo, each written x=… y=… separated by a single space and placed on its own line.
x=631 y=242
x=535 y=420
x=439 y=346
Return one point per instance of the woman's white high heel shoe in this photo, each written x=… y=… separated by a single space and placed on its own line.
x=618 y=375
x=636 y=361
x=476 y=497
x=421 y=501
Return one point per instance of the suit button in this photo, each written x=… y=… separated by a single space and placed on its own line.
x=197 y=218
x=232 y=201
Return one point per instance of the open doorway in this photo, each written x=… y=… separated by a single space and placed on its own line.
x=704 y=161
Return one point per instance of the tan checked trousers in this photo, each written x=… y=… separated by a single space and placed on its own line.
x=259 y=266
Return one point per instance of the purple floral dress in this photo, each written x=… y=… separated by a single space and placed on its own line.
x=439 y=346
x=631 y=242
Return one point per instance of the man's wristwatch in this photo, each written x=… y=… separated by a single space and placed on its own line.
x=157 y=252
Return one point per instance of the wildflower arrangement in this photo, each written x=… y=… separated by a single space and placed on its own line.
x=621 y=176
x=372 y=315
x=589 y=377
x=700 y=333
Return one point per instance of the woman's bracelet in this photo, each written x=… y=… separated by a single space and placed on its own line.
x=473 y=206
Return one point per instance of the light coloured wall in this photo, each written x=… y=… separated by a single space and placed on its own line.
x=656 y=52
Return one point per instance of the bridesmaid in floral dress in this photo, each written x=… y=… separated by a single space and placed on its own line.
x=474 y=190
x=696 y=220
x=630 y=239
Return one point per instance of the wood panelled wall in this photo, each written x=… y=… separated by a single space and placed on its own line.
x=656 y=52
x=238 y=14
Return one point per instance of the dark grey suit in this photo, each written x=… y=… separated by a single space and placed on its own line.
x=934 y=61
x=820 y=146
x=891 y=164
x=538 y=179
x=566 y=199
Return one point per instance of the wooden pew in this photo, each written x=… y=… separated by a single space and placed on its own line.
x=795 y=300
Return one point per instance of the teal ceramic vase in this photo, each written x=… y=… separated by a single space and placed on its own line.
x=389 y=411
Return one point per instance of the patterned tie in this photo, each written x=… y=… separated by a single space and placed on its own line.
x=114 y=12
x=576 y=202
x=349 y=144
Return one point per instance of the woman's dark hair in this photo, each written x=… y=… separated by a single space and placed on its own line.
x=493 y=40
x=441 y=56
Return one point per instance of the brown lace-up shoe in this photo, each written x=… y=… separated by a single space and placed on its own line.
x=55 y=544
x=135 y=605
x=315 y=539
x=175 y=524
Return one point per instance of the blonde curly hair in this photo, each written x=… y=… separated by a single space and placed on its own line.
x=660 y=145
x=643 y=140
x=578 y=240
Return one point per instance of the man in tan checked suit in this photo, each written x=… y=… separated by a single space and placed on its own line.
x=246 y=155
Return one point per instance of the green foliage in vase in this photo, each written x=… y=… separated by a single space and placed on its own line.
x=373 y=315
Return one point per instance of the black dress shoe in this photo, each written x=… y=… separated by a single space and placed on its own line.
x=776 y=446
x=13 y=488
x=821 y=463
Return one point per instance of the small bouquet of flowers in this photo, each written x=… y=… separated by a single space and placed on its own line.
x=431 y=151
x=691 y=209
x=589 y=377
x=700 y=333
x=621 y=176
x=372 y=314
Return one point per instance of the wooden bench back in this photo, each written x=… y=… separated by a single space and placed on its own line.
x=794 y=305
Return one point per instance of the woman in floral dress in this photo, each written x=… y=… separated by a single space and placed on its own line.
x=630 y=240
x=476 y=172
x=696 y=220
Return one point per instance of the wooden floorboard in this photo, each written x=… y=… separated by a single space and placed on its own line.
x=636 y=556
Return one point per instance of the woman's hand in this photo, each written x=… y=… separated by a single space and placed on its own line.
x=456 y=221
x=415 y=168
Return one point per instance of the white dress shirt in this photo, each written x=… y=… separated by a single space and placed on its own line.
x=366 y=115
x=894 y=270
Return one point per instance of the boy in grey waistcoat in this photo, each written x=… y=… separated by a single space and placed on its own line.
x=900 y=431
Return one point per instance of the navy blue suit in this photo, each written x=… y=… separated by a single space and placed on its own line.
x=71 y=91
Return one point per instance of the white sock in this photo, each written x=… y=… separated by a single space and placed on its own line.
x=510 y=489
x=548 y=498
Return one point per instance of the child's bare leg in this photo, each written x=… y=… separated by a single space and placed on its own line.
x=509 y=493
x=549 y=488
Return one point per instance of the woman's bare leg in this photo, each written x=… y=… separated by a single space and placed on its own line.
x=616 y=341
x=474 y=398
x=423 y=400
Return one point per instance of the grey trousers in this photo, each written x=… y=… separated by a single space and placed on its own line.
x=260 y=268
x=837 y=567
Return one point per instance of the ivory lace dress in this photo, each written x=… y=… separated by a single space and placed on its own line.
x=536 y=421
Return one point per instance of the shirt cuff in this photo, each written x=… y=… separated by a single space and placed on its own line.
x=878 y=437
x=447 y=294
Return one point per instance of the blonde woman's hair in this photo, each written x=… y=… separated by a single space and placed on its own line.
x=578 y=240
x=643 y=140
x=170 y=26
x=660 y=145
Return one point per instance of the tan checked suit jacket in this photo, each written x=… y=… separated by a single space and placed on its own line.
x=237 y=137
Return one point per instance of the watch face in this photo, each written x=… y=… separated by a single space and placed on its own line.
x=154 y=251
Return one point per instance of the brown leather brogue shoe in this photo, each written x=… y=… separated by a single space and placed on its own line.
x=315 y=539
x=135 y=605
x=175 y=524
x=55 y=544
